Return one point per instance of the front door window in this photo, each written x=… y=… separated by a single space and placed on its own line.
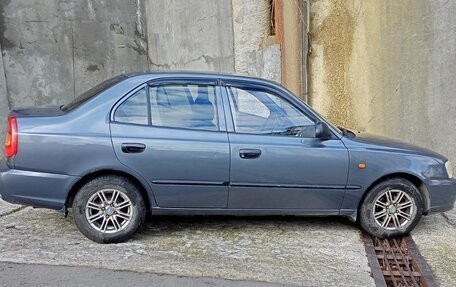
x=263 y=113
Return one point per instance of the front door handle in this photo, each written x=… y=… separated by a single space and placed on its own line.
x=133 y=147
x=249 y=153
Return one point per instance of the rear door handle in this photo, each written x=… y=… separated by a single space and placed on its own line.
x=133 y=147
x=249 y=153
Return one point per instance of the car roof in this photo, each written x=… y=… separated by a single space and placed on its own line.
x=211 y=75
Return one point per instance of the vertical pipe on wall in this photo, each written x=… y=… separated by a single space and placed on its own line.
x=289 y=32
x=305 y=46
x=4 y=102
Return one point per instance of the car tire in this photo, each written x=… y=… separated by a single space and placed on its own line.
x=392 y=208
x=109 y=209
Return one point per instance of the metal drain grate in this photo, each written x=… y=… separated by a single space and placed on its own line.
x=397 y=262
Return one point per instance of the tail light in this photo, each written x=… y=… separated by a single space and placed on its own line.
x=11 y=141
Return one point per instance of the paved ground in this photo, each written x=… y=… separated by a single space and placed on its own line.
x=6 y=208
x=283 y=250
x=436 y=238
x=279 y=250
x=24 y=275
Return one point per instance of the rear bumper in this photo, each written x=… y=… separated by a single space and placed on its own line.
x=36 y=189
x=442 y=194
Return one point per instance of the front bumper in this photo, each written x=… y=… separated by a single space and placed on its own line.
x=442 y=194
x=38 y=189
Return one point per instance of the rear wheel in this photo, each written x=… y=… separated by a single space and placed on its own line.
x=109 y=209
x=392 y=208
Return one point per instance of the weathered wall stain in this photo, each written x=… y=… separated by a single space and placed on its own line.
x=117 y=29
x=5 y=42
x=190 y=35
x=139 y=47
x=256 y=53
x=93 y=68
x=387 y=67
x=335 y=35
x=290 y=19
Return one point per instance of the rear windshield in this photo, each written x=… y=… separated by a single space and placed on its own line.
x=87 y=95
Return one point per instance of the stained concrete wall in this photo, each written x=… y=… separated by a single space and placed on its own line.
x=386 y=67
x=54 y=51
x=190 y=35
x=255 y=49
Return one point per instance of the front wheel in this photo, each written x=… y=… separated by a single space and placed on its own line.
x=392 y=208
x=108 y=209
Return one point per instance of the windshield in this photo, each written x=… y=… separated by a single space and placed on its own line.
x=87 y=95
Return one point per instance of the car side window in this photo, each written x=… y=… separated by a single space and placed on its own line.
x=190 y=106
x=259 y=112
x=133 y=110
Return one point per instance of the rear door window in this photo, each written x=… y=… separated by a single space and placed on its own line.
x=186 y=106
x=133 y=110
x=189 y=106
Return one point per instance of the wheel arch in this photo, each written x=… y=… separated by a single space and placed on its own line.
x=415 y=180
x=94 y=174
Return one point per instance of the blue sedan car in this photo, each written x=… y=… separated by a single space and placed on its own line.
x=199 y=143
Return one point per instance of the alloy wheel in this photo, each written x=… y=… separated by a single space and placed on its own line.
x=394 y=209
x=109 y=210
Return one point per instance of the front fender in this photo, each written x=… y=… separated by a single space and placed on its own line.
x=380 y=165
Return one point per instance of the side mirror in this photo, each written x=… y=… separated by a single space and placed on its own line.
x=322 y=131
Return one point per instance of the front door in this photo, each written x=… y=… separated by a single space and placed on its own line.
x=173 y=134
x=276 y=160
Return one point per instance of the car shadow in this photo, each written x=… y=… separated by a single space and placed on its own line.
x=170 y=224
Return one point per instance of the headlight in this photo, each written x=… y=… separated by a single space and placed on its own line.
x=449 y=169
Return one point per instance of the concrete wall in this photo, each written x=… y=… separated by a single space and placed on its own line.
x=53 y=50
x=380 y=66
x=386 y=67
x=256 y=50
x=190 y=35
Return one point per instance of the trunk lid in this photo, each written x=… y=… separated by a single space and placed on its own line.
x=48 y=111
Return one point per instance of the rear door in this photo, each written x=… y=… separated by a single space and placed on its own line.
x=173 y=133
x=276 y=160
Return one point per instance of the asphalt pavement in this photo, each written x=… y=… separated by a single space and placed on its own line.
x=47 y=275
